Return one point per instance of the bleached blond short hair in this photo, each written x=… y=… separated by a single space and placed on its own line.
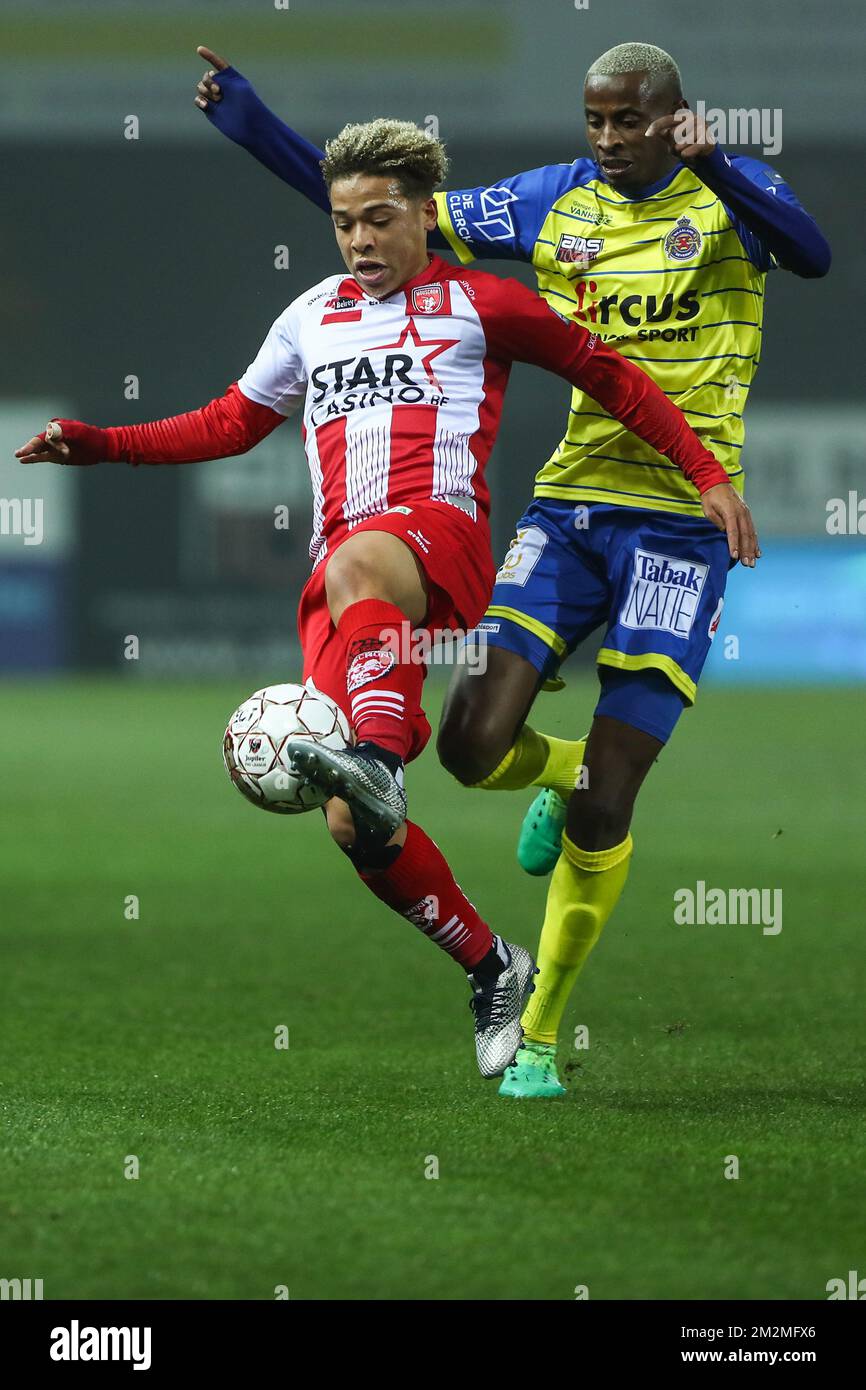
x=626 y=58
x=415 y=158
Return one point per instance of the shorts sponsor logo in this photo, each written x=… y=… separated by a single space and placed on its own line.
x=665 y=593
x=404 y=511
x=523 y=555
x=683 y=241
x=579 y=250
x=368 y=666
x=715 y=619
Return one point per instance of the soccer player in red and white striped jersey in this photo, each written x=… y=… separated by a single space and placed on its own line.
x=399 y=369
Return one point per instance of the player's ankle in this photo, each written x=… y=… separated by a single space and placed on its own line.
x=392 y=760
x=491 y=965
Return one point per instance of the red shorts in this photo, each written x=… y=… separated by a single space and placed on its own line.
x=457 y=560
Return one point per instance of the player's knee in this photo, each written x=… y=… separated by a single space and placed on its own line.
x=597 y=822
x=469 y=743
x=349 y=577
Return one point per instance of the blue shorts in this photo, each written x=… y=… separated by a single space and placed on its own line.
x=655 y=579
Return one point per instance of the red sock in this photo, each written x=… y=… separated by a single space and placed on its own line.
x=385 y=693
x=421 y=887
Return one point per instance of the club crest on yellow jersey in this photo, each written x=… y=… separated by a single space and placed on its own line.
x=683 y=242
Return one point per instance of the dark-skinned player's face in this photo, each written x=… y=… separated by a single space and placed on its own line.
x=381 y=231
x=618 y=111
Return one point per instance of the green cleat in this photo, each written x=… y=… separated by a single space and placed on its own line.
x=540 y=843
x=533 y=1072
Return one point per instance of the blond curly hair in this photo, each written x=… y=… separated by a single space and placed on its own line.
x=416 y=158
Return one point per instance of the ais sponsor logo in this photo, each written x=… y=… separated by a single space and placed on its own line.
x=664 y=594
x=579 y=250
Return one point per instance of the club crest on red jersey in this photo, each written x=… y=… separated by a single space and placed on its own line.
x=428 y=299
x=683 y=241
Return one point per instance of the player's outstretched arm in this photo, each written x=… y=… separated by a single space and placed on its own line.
x=229 y=425
x=230 y=103
x=768 y=218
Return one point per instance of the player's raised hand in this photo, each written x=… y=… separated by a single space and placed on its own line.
x=726 y=509
x=685 y=134
x=208 y=89
x=65 y=441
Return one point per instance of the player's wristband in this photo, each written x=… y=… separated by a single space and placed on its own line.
x=706 y=474
x=88 y=444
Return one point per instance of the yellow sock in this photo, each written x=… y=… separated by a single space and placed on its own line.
x=564 y=761
x=537 y=760
x=521 y=764
x=583 y=892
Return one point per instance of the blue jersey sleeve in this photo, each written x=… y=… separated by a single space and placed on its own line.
x=504 y=219
x=771 y=223
x=243 y=117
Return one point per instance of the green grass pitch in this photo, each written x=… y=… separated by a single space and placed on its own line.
x=305 y=1167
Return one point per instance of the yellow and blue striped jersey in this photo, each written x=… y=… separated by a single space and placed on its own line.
x=672 y=279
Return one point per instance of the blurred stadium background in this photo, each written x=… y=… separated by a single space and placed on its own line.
x=153 y=259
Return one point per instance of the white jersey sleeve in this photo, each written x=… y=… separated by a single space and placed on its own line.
x=278 y=376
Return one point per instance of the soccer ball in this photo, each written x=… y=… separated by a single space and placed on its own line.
x=254 y=740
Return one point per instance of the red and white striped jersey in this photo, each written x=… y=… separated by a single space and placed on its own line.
x=402 y=396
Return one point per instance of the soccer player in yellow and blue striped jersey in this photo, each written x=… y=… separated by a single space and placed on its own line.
x=660 y=241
